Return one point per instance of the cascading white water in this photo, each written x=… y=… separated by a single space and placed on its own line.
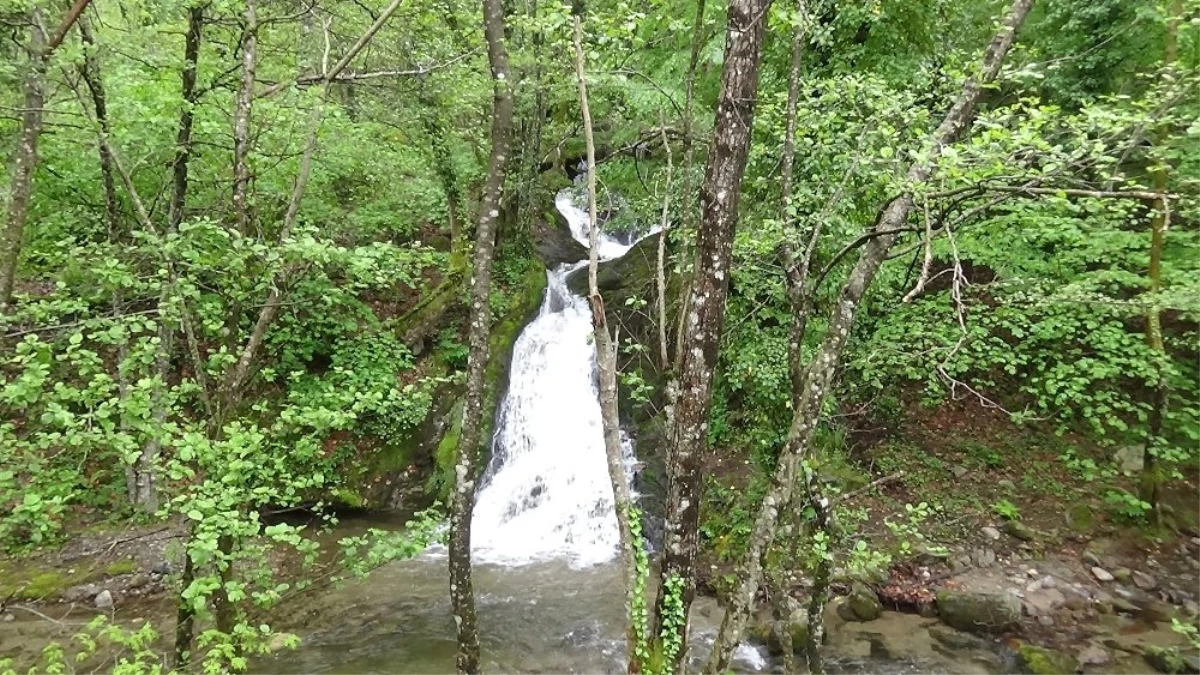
x=547 y=492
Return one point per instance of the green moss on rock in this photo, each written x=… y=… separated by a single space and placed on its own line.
x=1044 y=661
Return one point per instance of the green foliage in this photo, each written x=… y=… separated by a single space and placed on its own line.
x=1006 y=510
x=1126 y=507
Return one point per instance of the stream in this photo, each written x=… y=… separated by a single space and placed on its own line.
x=545 y=543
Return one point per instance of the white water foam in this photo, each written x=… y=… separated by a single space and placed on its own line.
x=546 y=493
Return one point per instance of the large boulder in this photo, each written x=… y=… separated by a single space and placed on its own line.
x=979 y=612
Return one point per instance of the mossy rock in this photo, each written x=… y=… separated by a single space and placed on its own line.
x=861 y=604
x=1081 y=517
x=979 y=612
x=1044 y=661
x=1165 y=659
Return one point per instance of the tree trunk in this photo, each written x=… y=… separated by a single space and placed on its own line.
x=26 y=159
x=1151 y=478
x=828 y=357
x=705 y=318
x=466 y=469
x=606 y=360
x=241 y=122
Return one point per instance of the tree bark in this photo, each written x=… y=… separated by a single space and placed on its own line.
x=698 y=352
x=828 y=357
x=1151 y=479
x=606 y=361
x=25 y=162
x=241 y=121
x=466 y=469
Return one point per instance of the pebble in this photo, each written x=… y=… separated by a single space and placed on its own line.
x=104 y=600
x=1048 y=582
x=991 y=533
x=1031 y=572
x=1102 y=574
x=1045 y=620
x=1091 y=559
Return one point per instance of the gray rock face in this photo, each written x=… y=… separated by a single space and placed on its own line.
x=979 y=612
x=553 y=243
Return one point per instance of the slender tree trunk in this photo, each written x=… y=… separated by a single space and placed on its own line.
x=26 y=159
x=466 y=470
x=687 y=209
x=241 y=121
x=138 y=474
x=40 y=48
x=185 y=615
x=1151 y=478
x=606 y=360
x=698 y=353
x=796 y=266
x=828 y=357
x=660 y=279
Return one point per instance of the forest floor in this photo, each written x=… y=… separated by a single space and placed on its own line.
x=1027 y=520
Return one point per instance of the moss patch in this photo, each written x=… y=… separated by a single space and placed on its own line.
x=33 y=583
x=120 y=567
x=1042 y=661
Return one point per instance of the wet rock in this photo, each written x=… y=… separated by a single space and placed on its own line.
x=771 y=632
x=1043 y=601
x=1094 y=655
x=103 y=600
x=1044 y=661
x=1144 y=581
x=1102 y=574
x=957 y=640
x=991 y=533
x=861 y=604
x=552 y=240
x=81 y=593
x=979 y=612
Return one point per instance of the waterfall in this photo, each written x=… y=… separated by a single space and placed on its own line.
x=546 y=493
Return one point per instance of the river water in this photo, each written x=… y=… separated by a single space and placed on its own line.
x=544 y=539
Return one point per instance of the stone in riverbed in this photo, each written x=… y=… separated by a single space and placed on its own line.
x=1102 y=574
x=979 y=612
x=1044 y=661
x=991 y=533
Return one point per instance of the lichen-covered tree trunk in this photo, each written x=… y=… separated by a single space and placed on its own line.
x=606 y=361
x=1151 y=477
x=828 y=357
x=466 y=469
x=705 y=318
